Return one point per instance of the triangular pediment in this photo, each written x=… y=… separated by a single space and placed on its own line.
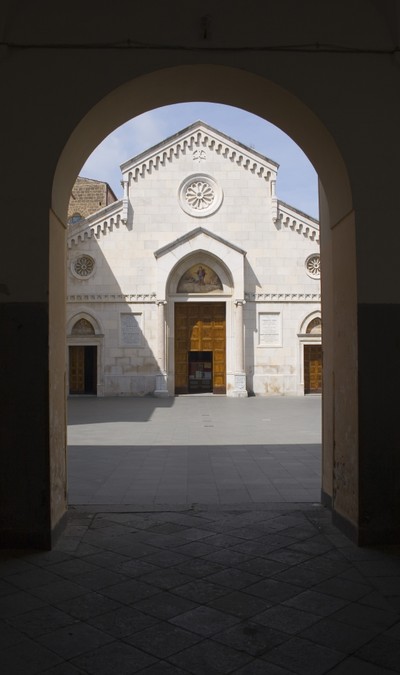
x=199 y=137
x=197 y=234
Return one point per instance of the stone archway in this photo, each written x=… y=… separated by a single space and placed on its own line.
x=84 y=354
x=262 y=97
x=227 y=262
x=194 y=309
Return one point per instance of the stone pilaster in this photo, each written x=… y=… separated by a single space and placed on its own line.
x=161 y=378
x=240 y=375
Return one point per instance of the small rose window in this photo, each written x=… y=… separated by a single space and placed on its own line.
x=83 y=266
x=313 y=266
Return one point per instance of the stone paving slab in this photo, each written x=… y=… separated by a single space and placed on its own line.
x=106 y=602
x=194 y=449
x=205 y=559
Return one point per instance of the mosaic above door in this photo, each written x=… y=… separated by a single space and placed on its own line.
x=199 y=279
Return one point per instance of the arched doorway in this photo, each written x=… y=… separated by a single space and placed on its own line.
x=237 y=87
x=204 y=313
x=312 y=357
x=310 y=354
x=199 y=292
x=84 y=355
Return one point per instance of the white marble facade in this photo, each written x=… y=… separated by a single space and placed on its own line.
x=199 y=222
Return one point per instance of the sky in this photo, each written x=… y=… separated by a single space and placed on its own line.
x=296 y=183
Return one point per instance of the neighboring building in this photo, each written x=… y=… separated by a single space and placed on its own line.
x=198 y=280
x=87 y=197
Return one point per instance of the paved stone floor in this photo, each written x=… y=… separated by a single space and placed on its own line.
x=267 y=589
x=189 y=449
x=256 y=588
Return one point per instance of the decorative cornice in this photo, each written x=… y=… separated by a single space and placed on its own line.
x=196 y=136
x=152 y=298
x=111 y=218
x=291 y=219
x=283 y=297
x=113 y=297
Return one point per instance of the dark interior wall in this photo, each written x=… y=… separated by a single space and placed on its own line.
x=379 y=368
x=60 y=63
x=24 y=475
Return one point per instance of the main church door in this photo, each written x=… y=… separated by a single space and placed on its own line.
x=200 y=347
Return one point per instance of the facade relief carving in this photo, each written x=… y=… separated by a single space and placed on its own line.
x=82 y=327
x=315 y=326
x=199 y=155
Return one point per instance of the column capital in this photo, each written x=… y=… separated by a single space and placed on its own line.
x=240 y=302
x=161 y=302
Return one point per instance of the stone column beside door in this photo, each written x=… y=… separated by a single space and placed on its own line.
x=161 y=377
x=240 y=375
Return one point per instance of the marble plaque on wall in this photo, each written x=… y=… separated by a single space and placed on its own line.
x=270 y=329
x=131 y=330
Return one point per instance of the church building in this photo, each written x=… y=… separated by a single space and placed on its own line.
x=198 y=280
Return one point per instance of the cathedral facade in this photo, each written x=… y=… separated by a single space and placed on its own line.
x=199 y=280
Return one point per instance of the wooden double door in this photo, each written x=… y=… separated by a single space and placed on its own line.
x=200 y=347
x=83 y=369
x=312 y=369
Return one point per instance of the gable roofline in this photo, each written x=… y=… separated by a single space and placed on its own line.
x=101 y=213
x=292 y=219
x=104 y=220
x=192 y=235
x=192 y=136
x=186 y=132
x=304 y=215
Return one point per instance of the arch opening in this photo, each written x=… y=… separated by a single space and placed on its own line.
x=270 y=102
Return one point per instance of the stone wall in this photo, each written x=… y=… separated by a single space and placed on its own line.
x=88 y=196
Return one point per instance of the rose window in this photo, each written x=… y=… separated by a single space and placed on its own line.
x=199 y=195
x=83 y=266
x=313 y=266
